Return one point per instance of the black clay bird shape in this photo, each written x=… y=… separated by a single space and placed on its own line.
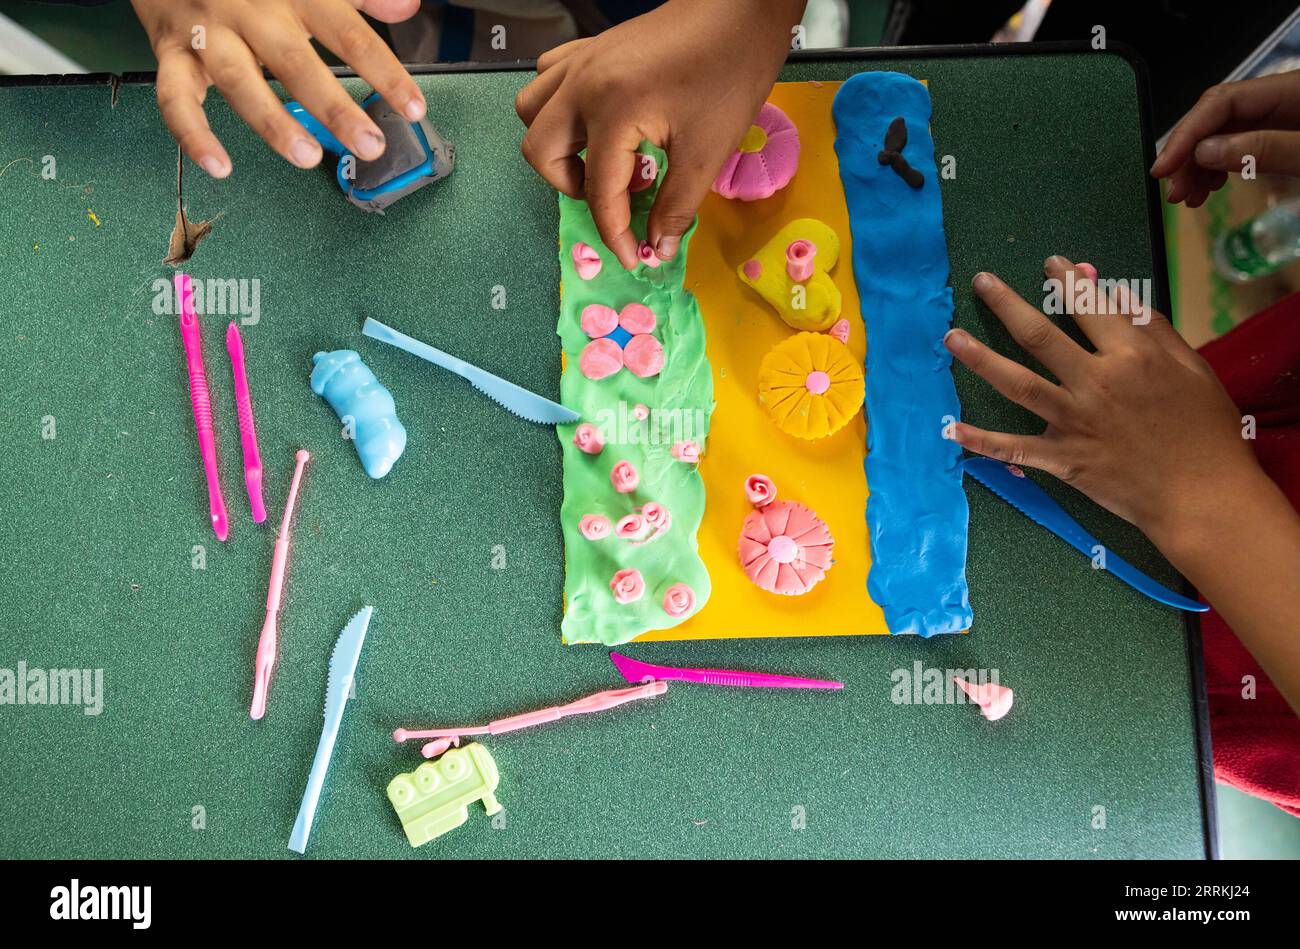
x=892 y=153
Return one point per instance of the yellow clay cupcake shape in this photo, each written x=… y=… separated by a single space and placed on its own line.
x=810 y=385
x=791 y=273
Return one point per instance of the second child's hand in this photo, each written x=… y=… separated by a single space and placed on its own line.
x=1142 y=426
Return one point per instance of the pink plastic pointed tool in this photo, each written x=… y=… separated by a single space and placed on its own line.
x=247 y=433
x=201 y=402
x=634 y=671
x=994 y=700
x=599 y=702
x=267 y=643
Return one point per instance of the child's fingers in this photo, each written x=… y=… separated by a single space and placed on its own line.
x=283 y=47
x=387 y=11
x=1021 y=385
x=1269 y=101
x=1134 y=317
x=553 y=57
x=1035 y=333
x=347 y=35
x=551 y=146
x=1030 y=451
x=685 y=185
x=537 y=93
x=1105 y=319
x=235 y=71
x=611 y=160
x=1273 y=152
x=181 y=89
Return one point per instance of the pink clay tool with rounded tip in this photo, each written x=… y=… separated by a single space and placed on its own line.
x=247 y=433
x=994 y=700
x=599 y=702
x=201 y=402
x=267 y=642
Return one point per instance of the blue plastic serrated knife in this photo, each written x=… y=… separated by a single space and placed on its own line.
x=343 y=666
x=525 y=404
x=1032 y=501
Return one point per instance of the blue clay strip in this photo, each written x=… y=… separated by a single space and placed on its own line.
x=916 y=510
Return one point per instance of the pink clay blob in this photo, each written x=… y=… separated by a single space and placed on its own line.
x=585 y=260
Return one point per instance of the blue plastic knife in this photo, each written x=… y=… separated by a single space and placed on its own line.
x=525 y=404
x=343 y=667
x=1032 y=501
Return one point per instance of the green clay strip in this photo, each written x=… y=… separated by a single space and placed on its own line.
x=674 y=583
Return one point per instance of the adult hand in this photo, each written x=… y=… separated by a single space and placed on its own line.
x=690 y=76
x=1259 y=118
x=201 y=43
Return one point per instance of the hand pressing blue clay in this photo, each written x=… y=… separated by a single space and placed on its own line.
x=359 y=400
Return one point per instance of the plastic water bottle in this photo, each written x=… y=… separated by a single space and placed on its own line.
x=1261 y=246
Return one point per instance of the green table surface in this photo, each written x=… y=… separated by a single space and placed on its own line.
x=99 y=525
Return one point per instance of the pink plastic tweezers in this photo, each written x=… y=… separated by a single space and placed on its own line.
x=267 y=643
x=247 y=433
x=592 y=703
x=201 y=402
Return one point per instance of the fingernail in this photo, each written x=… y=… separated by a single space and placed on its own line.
x=371 y=143
x=667 y=246
x=304 y=152
x=1056 y=263
x=414 y=109
x=214 y=166
x=1211 y=150
x=1089 y=271
x=983 y=281
x=956 y=340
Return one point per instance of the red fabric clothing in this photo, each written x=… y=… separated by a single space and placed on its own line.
x=1256 y=742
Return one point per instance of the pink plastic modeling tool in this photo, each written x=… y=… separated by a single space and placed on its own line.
x=592 y=703
x=634 y=671
x=994 y=700
x=247 y=433
x=267 y=642
x=202 y=403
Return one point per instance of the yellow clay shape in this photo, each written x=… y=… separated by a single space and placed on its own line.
x=813 y=304
x=810 y=385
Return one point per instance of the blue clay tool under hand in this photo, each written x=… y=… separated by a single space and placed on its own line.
x=415 y=155
x=364 y=406
x=1031 y=500
x=343 y=667
x=525 y=404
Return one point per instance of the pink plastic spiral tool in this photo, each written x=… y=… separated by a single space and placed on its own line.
x=201 y=402
x=247 y=433
x=267 y=643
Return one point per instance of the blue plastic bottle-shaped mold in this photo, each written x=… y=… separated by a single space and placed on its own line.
x=355 y=395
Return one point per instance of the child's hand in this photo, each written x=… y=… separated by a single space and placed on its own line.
x=1256 y=117
x=689 y=76
x=1141 y=426
x=238 y=37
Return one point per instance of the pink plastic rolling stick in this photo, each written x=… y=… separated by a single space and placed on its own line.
x=267 y=642
x=592 y=703
x=247 y=433
x=201 y=403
